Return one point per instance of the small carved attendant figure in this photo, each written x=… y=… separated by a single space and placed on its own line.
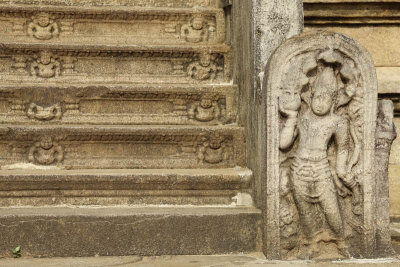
x=195 y=31
x=204 y=111
x=214 y=151
x=204 y=69
x=46 y=152
x=44 y=113
x=310 y=175
x=46 y=66
x=43 y=27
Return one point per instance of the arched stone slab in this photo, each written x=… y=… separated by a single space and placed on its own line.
x=319 y=188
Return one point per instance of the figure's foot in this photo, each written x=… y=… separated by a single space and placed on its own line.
x=342 y=248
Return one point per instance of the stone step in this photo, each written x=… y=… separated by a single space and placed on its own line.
x=121 y=147
x=114 y=231
x=111 y=24
x=51 y=64
x=126 y=187
x=196 y=4
x=129 y=104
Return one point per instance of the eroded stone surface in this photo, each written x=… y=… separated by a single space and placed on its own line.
x=385 y=134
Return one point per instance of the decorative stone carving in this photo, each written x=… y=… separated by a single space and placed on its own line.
x=213 y=150
x=385 y=135
x=44 y=113
x=43 y=27
x=206 y=110
x=321 y=106
x=20 y=64
x=46 y=152
x=197 y=30
x=203 y=69
x=46 y=66
x=68 y=65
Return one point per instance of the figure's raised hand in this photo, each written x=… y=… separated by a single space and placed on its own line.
x=289 y=103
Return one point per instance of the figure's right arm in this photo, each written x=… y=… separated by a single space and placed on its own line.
x=31 y=27
x=184 y=31
x=289 y=131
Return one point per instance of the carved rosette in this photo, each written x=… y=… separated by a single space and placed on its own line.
x=321 y=101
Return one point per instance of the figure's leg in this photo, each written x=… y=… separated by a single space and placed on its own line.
x=330 y=207
x=305 y=211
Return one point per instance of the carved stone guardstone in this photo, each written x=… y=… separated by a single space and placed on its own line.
x=320 y=186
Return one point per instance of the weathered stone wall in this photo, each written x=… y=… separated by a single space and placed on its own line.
x=252 y=47
x=376 y=25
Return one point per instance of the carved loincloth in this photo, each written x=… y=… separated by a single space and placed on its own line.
x=311 y=180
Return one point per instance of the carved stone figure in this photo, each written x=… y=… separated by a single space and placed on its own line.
x=204 y=69
x=310 y=175
x=46 y=66
x=43 y=27
x=46 y=152
x=196 y=30
x=321 y=93
x=213 y=150
x=205 y=110
x=44 y=113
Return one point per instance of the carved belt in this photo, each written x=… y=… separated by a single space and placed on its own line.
x=309 y=170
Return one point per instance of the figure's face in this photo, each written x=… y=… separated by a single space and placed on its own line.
x=46 y=143
x=215 y=143
x=43 y=20
x=321 y=103
x=205 y=60
x=197 y=24
x=45 y=58
x=206 y=103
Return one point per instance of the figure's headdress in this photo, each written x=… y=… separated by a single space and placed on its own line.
x=326 y=82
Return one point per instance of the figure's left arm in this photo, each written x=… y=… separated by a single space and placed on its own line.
x=342 y=144
x=56 y=31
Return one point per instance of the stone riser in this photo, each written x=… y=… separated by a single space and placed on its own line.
x=114 y=147
x=87 y=64
x=51 y=232
x=111 y=25
x=123 y=187
x=144 y=104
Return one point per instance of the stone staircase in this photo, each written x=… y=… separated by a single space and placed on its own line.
x=119 y=131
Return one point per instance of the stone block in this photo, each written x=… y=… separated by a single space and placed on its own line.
x=78 y=232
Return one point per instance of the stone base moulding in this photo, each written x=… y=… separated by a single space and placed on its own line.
x=119 y=231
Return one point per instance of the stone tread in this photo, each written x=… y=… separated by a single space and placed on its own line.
x=124 y=211
x=116 y=48
x=125 y=179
